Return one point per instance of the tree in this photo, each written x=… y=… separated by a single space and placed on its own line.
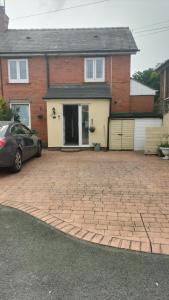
x=151 y=78
x=6 y=113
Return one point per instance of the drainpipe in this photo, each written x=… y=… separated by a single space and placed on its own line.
x=110 y=107
x=1 y=78
x=47 y=72
x=111 y=74
x=108 y=125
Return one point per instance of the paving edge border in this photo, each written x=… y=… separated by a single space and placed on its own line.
x=89 y=236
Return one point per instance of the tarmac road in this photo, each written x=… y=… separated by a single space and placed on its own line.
x=40 y=263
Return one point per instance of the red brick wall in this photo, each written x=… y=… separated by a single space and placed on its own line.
x=66 y=70
x=142 y=103
x=120 y=82
x=33 y=91
x=70 y=70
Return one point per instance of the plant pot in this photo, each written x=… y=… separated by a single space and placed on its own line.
x=40 y=116
x=97 y=147
x=165 y=151
x=92 y=129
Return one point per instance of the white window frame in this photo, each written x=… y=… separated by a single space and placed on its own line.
x=18 y=80
x=29 y=110
x=94 y=79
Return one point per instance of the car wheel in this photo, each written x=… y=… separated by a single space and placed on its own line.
x=39 y=150
x=17 y=165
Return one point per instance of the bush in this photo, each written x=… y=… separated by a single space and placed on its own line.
x=164 y=145
x=6 y=114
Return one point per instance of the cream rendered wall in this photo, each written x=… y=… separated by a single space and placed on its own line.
x=98 y=111
x=156 y=136
x=166 y=121
x=153 y=138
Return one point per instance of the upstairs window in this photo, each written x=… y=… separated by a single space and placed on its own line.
x=18 y=70
x=95 y=69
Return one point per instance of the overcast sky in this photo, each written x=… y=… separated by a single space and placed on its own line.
x=148 y=16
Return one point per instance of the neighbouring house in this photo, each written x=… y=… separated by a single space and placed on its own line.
x=156 y=136
x=74 y=87
x=164 y=85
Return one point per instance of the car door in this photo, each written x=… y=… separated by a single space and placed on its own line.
x=23 y=137
x=30 y=140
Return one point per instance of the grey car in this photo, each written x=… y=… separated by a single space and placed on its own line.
x=17 y=144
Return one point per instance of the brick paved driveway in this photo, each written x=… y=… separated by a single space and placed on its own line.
x=118 y=199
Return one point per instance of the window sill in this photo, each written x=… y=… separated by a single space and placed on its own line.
x=18 y=82
x=94 y=81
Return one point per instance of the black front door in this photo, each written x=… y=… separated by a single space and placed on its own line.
x=71 y=128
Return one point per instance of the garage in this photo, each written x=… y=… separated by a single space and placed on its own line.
x=127 y=130
x=139 y=130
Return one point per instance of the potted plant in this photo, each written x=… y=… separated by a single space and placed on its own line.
x=40 y=116
x=92 y=129
x=164 y=147
x=97 y=147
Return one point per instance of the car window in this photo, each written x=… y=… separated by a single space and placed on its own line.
x=14 y=129
x=25 y=129
x=17 y=129
x=3 y=130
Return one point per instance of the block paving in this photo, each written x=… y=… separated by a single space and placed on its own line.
x=118 y=199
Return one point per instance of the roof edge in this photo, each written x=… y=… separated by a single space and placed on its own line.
x=135 y=115
x=163 y=65
x=65 y=53
x=76 y=98
x=71 y=28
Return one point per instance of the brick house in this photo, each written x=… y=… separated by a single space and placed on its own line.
x=164 y=85
x=62 y=82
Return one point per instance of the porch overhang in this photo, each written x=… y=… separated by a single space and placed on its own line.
x=84 y=91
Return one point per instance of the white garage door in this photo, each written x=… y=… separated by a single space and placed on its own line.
x=139 y=131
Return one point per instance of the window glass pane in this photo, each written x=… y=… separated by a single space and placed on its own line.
x=89 y=69
x=85 y=125
x=13 y=70
x=14 y=129
x=22 y=113
x=23 y=69
x=99 y=68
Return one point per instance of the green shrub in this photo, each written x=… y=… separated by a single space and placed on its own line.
x=6 y=114
x=165 y=145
